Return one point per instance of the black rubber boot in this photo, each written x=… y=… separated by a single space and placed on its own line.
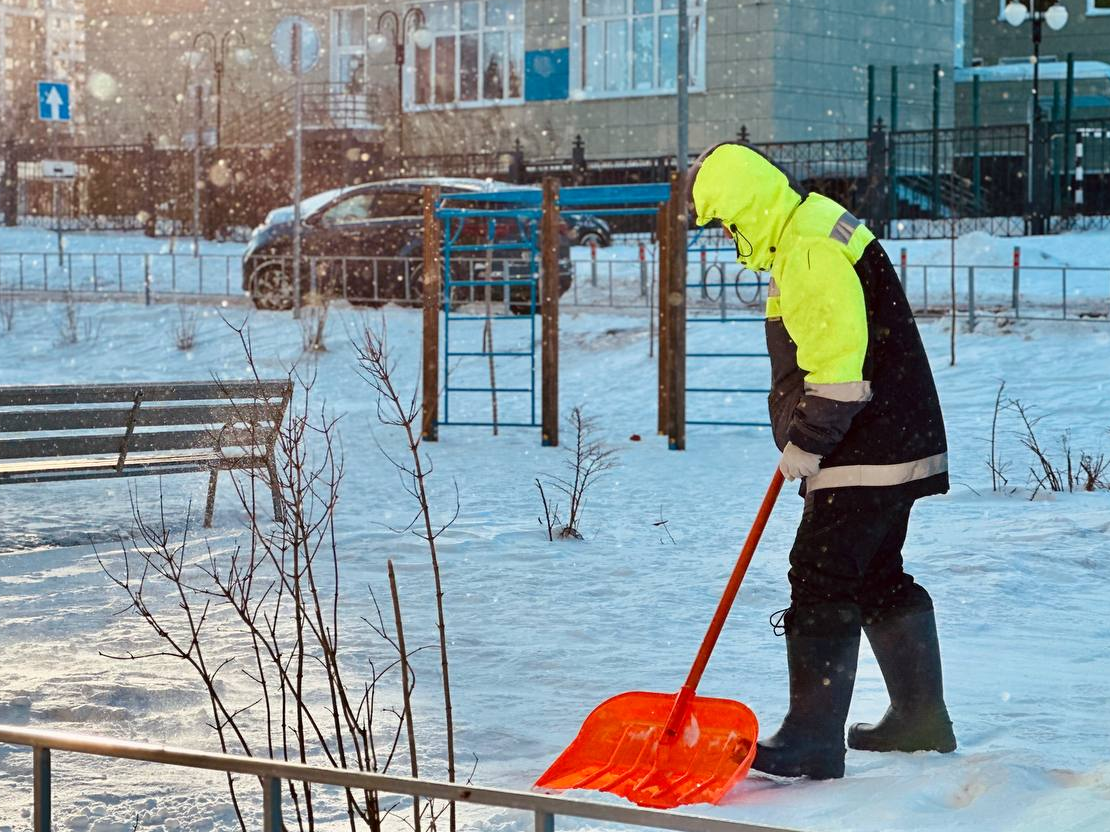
x=908 y=653
x=822 y=646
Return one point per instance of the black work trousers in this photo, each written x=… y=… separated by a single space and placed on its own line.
x=848 y=551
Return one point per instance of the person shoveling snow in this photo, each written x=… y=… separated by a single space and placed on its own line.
x=856 y=415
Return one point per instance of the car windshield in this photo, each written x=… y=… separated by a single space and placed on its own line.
x=355 y=209
x=398 y=204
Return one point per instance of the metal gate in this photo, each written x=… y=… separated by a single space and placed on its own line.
x=491 y=280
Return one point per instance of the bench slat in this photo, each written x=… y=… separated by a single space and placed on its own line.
x=69 y=463
x=28 y=421
x=48 y=394
x=173 y=440
x=89 y=469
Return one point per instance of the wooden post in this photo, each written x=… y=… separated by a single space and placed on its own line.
x=150 y=188
x=549 y=247
x=663 y=233
x=676 y=312
x=9 y=185
x=433 y=280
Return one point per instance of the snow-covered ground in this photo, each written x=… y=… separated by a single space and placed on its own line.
x=541 y=633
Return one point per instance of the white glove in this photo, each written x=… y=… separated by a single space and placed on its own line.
x=798 y=464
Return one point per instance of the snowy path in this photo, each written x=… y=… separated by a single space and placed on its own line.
x=540 y=633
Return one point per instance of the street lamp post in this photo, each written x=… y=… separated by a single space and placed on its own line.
x=412 y=19
x=1056 y=16
x=218 y=48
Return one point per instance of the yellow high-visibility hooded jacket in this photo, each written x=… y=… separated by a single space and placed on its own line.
x=850 y=377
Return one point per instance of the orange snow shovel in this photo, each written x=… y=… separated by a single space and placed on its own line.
x=662 y=749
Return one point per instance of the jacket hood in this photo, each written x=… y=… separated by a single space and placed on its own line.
x=749 y=195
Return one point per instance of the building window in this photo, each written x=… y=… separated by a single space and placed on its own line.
x=630 y=47
x=348 y=48
x=475 y=55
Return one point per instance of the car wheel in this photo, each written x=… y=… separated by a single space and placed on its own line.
x=591 y=238
x=271 y=288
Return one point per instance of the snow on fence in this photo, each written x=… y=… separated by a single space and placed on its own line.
x=1069 y=293
x=142 y=274
x=544 y=807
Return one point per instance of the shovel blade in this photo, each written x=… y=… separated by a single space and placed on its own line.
x=618 y=750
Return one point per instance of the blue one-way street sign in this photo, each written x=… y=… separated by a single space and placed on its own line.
x=54 y=101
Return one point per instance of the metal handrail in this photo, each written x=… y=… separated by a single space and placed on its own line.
x=272 y=772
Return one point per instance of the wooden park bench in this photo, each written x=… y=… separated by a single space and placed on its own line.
x=54 y=433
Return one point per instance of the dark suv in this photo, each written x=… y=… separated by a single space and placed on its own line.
x=365 y=243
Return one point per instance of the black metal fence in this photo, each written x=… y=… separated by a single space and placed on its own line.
x=909 y=183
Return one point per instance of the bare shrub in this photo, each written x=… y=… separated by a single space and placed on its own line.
x=550 y=513
x=1092 y=473
x=1085 y=473
x=377 y=367
x=587 y=461
x=997 y=466
x=74 y=327
x=1048 y=476
x=665 y=526
x=275 y=600
x=185 y=332
x=314 y=323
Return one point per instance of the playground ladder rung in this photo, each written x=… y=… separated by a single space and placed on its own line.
x=490 y=424
x=520 y=245
x=488 y=390
x=700 y=285
x=729 y=424
x=707 y=319
x=622 y=212
x=726 y=390
x=495 y=354
x=527 y=281
x=455 y=318
x=727 y=355
x=471 y=213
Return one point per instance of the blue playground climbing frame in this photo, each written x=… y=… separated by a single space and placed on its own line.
x=512 y=264
x=514 y=275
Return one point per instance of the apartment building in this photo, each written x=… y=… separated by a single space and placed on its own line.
x=39 y=40
x=480 y=75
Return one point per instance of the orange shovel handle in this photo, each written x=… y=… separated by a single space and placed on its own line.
x=684 y=696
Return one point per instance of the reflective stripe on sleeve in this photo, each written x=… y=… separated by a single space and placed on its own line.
x=844 y=228
x=843 y=391
x=848 y=476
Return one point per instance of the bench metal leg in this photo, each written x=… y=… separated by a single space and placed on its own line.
x=42 y=789
x=210 y=506
x=275 y=492
x=271 y=804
